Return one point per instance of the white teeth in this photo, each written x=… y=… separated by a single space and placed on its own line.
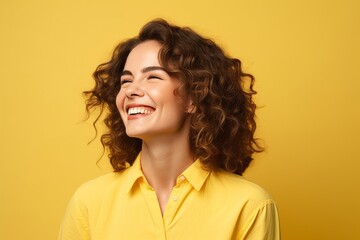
x=138 y=110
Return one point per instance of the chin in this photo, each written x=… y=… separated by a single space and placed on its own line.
x=135 y=134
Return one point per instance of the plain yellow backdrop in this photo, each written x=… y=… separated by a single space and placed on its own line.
x=306 y=59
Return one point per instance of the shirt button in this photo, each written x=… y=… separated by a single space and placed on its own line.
x=175 y=198
x=182 y=178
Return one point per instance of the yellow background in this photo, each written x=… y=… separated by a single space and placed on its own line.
x=304 y=54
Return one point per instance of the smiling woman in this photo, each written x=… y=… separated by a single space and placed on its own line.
x=181 y=133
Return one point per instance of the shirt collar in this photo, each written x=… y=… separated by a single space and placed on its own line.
x=195 y=174
x=134 y=173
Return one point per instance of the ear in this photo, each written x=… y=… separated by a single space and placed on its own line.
x=190 y=108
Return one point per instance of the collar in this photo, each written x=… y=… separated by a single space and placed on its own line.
x=133 y=174
x=195 y=174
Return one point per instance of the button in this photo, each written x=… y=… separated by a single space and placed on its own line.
x=182 y=178
x=175 y=198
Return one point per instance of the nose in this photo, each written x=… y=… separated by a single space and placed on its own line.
x=134 y=90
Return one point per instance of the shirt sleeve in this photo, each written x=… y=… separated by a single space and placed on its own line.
x=75 y=222
x=263 y=224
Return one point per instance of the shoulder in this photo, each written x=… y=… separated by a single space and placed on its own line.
x=238 y=187
x=100 y=187
x=101 y=181
x=254 y=209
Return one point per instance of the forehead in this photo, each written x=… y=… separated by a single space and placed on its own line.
x=143 y=55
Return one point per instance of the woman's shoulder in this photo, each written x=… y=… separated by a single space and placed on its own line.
x=100 y=181
x=101 y=186
x=239 y=187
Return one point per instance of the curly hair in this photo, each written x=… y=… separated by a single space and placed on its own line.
x=223 y=122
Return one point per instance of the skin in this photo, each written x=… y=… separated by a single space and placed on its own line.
x=163 y=120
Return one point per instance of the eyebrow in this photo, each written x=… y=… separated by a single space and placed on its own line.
x=144 y=70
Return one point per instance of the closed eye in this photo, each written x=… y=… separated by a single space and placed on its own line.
x=154 y=77
x=124 y=81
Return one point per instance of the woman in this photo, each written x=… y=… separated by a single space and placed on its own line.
x=181 y=133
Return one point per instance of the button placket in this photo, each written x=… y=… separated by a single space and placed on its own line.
x=175 y=201
x=175 y=195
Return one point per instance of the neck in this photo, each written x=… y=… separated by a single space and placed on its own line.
x=163 y=158
x=162 y=161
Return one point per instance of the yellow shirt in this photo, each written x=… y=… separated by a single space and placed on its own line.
x=203 y=205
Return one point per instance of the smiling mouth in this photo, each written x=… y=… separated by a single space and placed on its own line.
x=139 y=110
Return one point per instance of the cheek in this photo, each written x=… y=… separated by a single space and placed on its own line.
x=120 y=102
x=162 y=94
x=173 y=104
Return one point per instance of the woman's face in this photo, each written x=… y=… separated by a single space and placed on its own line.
x=146 y=100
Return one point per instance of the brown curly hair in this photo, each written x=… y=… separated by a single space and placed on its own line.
x=222 y=124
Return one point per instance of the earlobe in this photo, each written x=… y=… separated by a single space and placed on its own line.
x=189 y=106
x=191 y=109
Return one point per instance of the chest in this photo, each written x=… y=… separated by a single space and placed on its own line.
x=189 y=214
